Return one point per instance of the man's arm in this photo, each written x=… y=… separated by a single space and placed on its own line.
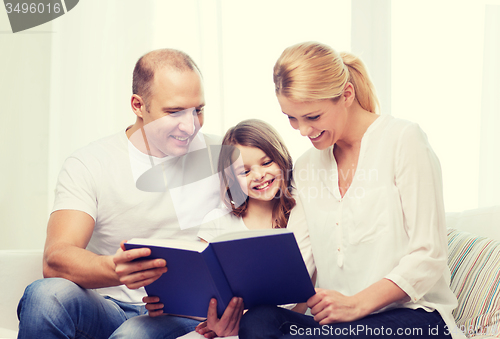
x=65 y=256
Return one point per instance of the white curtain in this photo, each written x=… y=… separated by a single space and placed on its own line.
x=371 y=40
x=489 y=165
x=94 y=49
x=437 y=72
x=68 y=82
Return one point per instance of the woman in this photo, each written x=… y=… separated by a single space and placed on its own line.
x=372 y=193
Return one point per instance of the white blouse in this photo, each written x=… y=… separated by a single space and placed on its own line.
x=220 y=221
x=389 y=224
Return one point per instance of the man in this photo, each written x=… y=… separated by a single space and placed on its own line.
x=98 y=205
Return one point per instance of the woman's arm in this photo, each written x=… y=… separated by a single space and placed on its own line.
x=419 y=183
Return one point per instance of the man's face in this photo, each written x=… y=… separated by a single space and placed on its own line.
x=175 y=112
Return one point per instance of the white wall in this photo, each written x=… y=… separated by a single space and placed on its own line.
x=25 y=98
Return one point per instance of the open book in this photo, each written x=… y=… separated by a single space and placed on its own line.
x=260 y=266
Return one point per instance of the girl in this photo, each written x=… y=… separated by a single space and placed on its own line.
x=372 y=193
x=255 y=170
x=256 y=180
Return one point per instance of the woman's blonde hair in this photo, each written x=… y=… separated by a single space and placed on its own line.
x=312 y=71
x=256 y=133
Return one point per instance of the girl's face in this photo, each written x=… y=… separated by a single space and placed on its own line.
x=257 y=174
x=323 y=121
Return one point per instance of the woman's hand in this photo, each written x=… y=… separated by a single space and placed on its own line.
x=153 y=305
x=330 y=306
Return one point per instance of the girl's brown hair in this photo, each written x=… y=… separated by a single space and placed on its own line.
x=313 y=71
x=256 y=133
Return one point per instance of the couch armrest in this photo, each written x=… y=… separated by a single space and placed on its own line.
x=7 y=334
x=19 y=269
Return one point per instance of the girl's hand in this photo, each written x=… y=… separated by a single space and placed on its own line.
x=330 y=306
x=227 y=325
x=153 y=305
x=203 y=329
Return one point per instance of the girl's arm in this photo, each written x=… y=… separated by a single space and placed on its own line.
x=302 y=307
x=297 y=223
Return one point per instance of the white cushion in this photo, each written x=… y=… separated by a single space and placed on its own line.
x=7 y=334
x=481 y=221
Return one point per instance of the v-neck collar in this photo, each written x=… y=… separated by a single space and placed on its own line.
x=332 y=181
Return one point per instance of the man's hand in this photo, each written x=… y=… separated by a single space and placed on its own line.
x=227 y=325
x=136 y=274
x=153 y=305
x=330 y=306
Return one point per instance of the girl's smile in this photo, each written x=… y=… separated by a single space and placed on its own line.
x=257 y=174
x=264 y=186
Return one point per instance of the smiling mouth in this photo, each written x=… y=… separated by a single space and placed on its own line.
x=263 y=185
x=313 y=137
x=180 y=138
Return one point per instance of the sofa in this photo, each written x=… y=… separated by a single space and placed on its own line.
x=17 y=270
x=474 y=261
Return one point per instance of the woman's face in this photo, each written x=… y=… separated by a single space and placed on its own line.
x=322 y=121
x=257 y=174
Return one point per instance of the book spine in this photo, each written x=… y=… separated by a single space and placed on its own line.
x=218 y=279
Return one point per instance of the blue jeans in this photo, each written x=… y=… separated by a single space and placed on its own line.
x=145 y=327
x=274 y=322
x=59 y=308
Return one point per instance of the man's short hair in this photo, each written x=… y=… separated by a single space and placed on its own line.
x=149 y=63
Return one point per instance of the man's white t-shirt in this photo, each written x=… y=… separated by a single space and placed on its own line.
x=100 y=180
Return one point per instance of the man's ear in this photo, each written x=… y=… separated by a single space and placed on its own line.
x=349 y=94
x=138 y=105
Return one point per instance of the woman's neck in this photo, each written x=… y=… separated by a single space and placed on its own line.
x=259 y=214
x=357 y=123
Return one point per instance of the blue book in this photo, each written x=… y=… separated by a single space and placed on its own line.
x=264 y=267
